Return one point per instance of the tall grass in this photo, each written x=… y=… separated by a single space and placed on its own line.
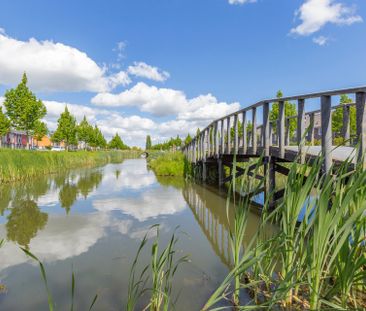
x=51 y=304
x=168 y=164
x=316 y=264
x=24 y=164
x=154 y=280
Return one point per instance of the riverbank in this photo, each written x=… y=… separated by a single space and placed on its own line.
x=167 y=163
x=17 y=165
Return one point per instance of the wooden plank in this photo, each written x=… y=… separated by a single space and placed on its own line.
x=346 y=128
x=222 y=137
x=361 y=126
x=217 y=139
x=236 y=135
x=301 y=128
x=265 y=130
x=287 y=132
x=311 y=128
x=244 y=122
x=228 y=135
x=326 y=123
x=281 y=129
x=254 y=130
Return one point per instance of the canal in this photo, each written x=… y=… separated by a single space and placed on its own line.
x=91 y=221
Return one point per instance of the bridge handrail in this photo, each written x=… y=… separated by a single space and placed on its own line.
x=325 y=112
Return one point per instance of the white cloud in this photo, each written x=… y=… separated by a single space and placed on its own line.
x=53 y=66
x=321 y=40
x=241 y=1
x=164 y=101
x=133 y=129
x=314 y=14
x=55 y=108
x=143 y=70
x=158 y=101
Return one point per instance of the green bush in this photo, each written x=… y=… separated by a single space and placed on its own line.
x=168 y=164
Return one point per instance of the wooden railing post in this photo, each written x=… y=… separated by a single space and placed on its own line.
x=271 y=133
x=311 y=129
x=265 y=129
x=217 y=141
x=254 y=129
x=361 y=126
x=194 y=151
x=346 y=128
x=326 y=123
x=244 y=123
x=222 y=138
x=287 y=132
x=207 y=153
x=209 y=141
x=301 y=128
x=236 y=135
x=281 y=129
x=228 y=132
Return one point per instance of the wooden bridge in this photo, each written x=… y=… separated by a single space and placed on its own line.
x=221 y=142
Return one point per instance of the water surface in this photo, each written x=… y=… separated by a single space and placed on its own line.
x=91 y=221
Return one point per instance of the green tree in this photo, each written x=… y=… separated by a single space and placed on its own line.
x=117 y=143
x=188 y=139
x=148 y=142
x=97 y=138
x=4 y=125
x=85 y=132
x=337 y=117
x=290 y=110
x=23 y=108
x=40 y=130
x=66 y=129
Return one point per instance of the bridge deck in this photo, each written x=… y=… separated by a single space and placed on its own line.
x=339 y=154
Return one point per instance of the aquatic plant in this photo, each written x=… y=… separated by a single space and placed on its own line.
x=25 y=164
x=155 y=279
x=167 y=164
x=317 y=263
x=51 y=304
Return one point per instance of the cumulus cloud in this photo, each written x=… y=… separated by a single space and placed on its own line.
x=53 y=66
x=133 y=129
x=164 y=102
x=143 y=70
x=314 y=14
x=241 y=1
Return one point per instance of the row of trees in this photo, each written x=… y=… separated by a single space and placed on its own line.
x=24 y=112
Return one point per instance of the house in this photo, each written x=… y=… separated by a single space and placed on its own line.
x=44 y=143
x=16 y=140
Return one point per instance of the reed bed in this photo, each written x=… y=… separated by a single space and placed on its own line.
x=18 y=165
x=167 y=164
x=316 y=264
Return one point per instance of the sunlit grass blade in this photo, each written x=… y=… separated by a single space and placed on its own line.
x=44 y=277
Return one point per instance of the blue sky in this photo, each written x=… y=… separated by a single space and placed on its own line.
x=167 y=67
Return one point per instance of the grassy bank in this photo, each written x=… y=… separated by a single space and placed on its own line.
x=167 y=163
x=23 y=164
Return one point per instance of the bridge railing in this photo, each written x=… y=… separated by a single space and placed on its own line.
x=222 y=135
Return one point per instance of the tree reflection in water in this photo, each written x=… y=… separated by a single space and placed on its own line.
x=24 y=221
x=67 y=196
